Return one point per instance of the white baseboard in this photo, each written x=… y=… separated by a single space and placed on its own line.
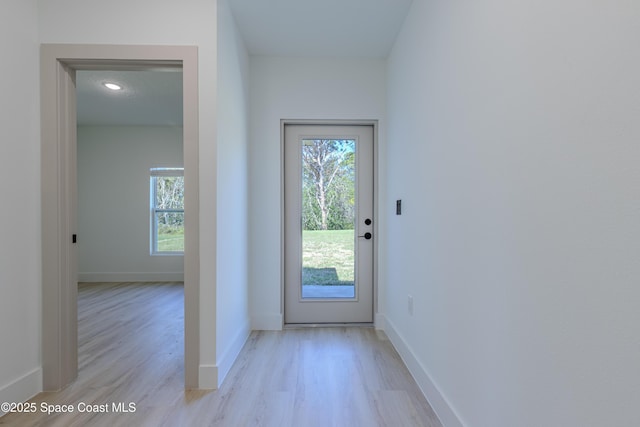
x=23 y=388
x=208 y=377
x=267 y=322
x=231 y=354
x=379 y=321
x=437 y=400
x=131 y=277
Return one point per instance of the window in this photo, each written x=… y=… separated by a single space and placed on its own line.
x=167 y=211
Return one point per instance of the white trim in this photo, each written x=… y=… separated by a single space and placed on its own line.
x=22 y=389
x=177 y=276
x=59 y=272
x=267 y=322
x=231 y=354
x=58 y=206
x=440 y=404
x=208 y=377
x=379 y=321
x=166 y=171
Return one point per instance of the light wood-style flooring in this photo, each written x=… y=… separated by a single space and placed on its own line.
x=131 y=350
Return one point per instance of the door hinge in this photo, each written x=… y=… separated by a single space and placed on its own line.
x=74 y=238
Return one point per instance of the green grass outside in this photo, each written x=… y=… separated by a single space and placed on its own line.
x=171 y=240
x=328 y=257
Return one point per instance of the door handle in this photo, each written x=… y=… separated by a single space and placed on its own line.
x=367 y=235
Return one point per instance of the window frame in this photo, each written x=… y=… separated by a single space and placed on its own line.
x=154 y=173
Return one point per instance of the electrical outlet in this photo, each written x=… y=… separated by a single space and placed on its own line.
x=410 y=304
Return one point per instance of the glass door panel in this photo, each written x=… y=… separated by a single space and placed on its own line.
x=328 y=218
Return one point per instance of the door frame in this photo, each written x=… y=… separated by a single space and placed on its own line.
x=328 y=122
x=58 y=63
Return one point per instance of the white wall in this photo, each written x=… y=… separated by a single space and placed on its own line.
x=113 y=202
x=294 y=88
x=513 y=142
x=189 y=22
x=20 y=373
x=232 y=280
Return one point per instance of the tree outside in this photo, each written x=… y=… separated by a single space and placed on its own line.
x=169 y=208
x=328 y=184
x=328 y=212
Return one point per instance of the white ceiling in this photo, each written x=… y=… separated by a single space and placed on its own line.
x=147 y=98
x=332 y=28
x=304 y=28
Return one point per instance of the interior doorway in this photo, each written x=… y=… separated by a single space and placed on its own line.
x=59 y=64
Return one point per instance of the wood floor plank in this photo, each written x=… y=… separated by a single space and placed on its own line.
x=131 y=351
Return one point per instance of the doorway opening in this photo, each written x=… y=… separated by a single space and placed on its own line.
x=59 y=64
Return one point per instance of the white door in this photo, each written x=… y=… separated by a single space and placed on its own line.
x=328 y=224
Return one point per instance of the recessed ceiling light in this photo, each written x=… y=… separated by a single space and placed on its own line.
x=112 y=86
